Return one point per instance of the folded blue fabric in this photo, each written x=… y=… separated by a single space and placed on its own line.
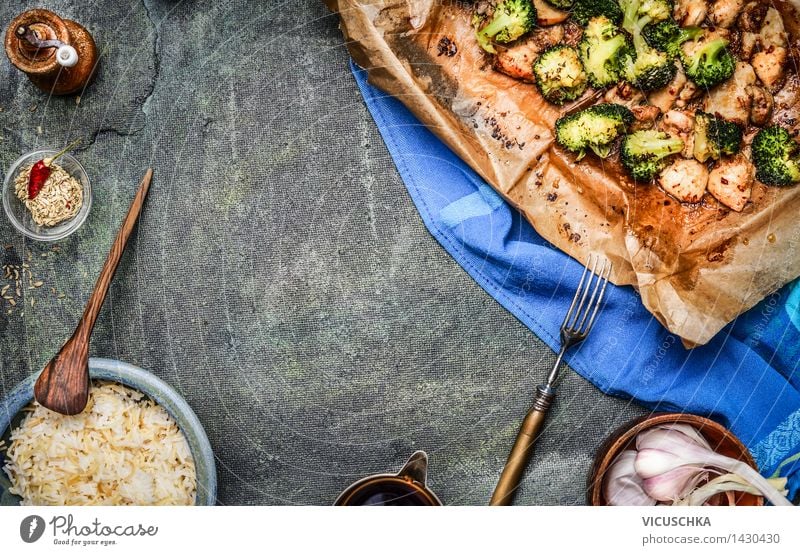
x=747 y=378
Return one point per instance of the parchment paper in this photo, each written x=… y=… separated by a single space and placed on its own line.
x=696 y=267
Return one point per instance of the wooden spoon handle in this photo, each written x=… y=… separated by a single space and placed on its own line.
x=92 y=310
x=522 y=450
x=63 y=385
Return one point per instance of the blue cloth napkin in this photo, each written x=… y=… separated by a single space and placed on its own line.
x=747 y=378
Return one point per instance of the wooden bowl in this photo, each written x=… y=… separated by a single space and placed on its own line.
x=719 y=437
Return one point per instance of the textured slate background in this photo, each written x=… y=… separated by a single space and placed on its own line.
x=281 y=278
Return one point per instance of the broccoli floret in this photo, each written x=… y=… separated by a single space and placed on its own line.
x=561 y=4
x=645 y=153
x=707 y=63
x=511 y=19
x=637 y=14
x=668 y=36
x=594 y=128
x=650 y=69
x=603 y=49
x=647 y=68
x=559 y=74
x=776 y=156
x=714 y=136
x=584 y=10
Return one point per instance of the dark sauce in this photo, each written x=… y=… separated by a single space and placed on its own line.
x=388 y=494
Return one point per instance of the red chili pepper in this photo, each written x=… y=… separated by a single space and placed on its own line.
x=40 y=172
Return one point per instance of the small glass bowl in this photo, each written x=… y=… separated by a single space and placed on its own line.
x=20 y=217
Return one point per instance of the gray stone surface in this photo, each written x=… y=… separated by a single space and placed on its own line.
x=281 y=278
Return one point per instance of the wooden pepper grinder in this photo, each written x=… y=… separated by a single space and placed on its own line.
x=58 y=55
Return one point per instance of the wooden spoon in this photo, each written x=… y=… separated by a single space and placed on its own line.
x=63 y=385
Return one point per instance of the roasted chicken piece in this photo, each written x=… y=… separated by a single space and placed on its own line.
x=517 y=61
x=770 y=62
x=730 y=100
x=645 y=116
x=751 y=17
x=690 y=12
x=787 y=105
x=666 y=97
x=685 y=179
x=745 y=44
x=746 y=32
x=731 y=181
x=624 y=94
x=770 y=65
x=688 y=93
x=761 y=108
x=680 y=124
x=548 y=15
x=773 y=32
x=723 y=13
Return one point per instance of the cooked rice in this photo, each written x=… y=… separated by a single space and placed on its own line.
x=123 y=449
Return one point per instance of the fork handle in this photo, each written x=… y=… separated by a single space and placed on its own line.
x=523 y=447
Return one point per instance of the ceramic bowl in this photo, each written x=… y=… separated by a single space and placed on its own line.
x=136 y=378
x=20 y=217
x=720 y=438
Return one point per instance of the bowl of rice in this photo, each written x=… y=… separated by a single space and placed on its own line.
x=137 y=443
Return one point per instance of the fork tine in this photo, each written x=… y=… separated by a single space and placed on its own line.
x=599 y=299
x=590 y=305
x=578 y=312
x=577 y=294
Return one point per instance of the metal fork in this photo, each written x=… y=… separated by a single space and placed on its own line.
x=576 y=326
